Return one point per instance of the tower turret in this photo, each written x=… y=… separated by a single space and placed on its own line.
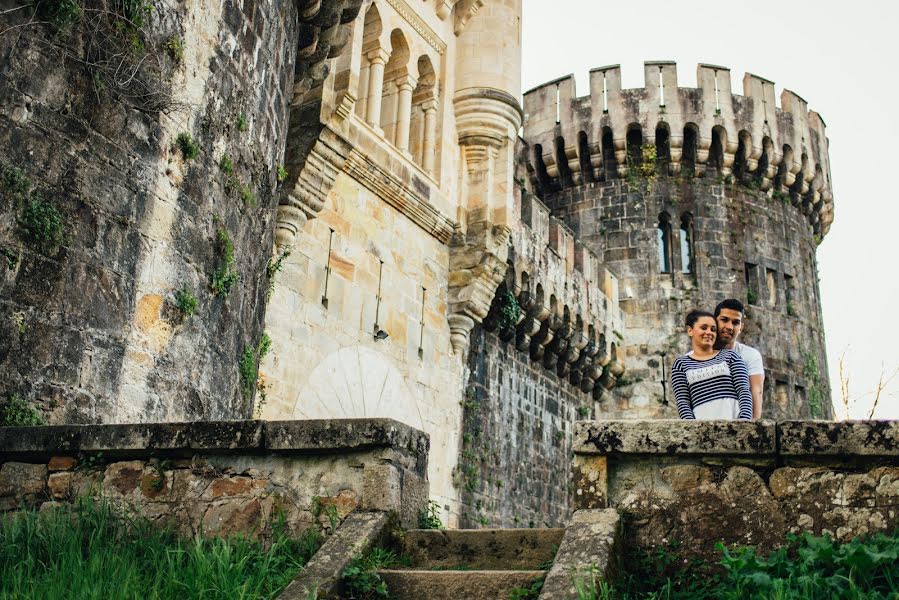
x=692 y=195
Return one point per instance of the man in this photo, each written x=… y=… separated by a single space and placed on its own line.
x=729 y=315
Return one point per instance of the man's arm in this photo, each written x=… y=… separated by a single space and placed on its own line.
x=756 y=385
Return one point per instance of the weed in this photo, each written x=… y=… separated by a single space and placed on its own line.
x=175 y=47
x=189 y=147
x=791 y=310
x=61 y=14
x=246 y=194
x=361 y=579
x=241 y=122
x=186 y=302
x=11 y=258
x=226 y=165
x=583 y=412
x=282 y=173
x=752 y=296
x=18 y=413
x=509 y=310
x=274 y=267
x=528 y=593
x=265 y=345
x=90 y=462
x=41 y=224
x=247 y=370
x=89 y=548
x=225 y=276
x=429 y=516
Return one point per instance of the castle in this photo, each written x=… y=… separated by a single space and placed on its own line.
x=486 y=272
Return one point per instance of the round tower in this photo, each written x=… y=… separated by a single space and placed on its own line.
x=690 y=196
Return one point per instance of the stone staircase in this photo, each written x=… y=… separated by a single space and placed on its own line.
x=472 y=564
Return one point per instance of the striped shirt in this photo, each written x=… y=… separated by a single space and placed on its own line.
x=722 y=377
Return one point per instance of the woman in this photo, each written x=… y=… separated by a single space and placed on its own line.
x=709 y=383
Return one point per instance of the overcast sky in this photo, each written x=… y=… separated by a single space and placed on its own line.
x=842 y=58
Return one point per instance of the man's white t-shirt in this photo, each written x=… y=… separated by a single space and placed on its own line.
x=752 y=358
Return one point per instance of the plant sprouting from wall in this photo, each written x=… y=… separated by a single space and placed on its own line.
x=186 y=302
x=225 y=276
x=274 y=267
x=17 y=412
x=509 y=310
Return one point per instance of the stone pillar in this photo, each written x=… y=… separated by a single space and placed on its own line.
x=377 y=60
x=405 y=85
x=430 y=141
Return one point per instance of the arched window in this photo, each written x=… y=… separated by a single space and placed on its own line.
x=634 y=141
x=688 y=158
x=663 y=147
x=609 y=164
x=716 y=151
x=583 y=154
x=663 y=236
x=686 y=243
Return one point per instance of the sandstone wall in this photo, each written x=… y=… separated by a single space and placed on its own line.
x=222 y=478
x=692 y=484
x=91 y=331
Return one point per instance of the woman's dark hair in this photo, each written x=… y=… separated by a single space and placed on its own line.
x=694 y=315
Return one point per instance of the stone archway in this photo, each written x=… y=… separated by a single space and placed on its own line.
x=356 y=382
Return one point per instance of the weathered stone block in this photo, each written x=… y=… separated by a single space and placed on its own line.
x=591 y=482
x=59 y=485
x=382 y=488
x=843 y=438
x=20 y=479
x=591 y=540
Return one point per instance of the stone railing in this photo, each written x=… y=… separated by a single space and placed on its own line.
x=694 y=483
x=222 y=477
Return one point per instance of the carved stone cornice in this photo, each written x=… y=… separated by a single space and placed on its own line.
x=423 y=29
x=305 y=196
x=387 y=186
x=477 y=267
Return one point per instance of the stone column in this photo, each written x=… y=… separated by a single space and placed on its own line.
x=377 y=60
x=405 y=85
x=430 y=141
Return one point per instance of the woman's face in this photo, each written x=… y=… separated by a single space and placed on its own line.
x=703 y=332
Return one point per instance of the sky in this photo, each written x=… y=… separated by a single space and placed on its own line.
x=839 y=56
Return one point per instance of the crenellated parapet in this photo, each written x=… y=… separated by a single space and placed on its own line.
x=567 y=302
x=579 y=140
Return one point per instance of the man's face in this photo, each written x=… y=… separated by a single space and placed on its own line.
x=730 y=324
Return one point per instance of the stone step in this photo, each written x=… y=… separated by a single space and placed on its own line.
x=482 y=548
x=417 y=584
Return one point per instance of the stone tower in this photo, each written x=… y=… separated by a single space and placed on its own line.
x=691 y=196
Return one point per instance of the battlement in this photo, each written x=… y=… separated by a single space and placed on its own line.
x=576 y=140
x=569 y=302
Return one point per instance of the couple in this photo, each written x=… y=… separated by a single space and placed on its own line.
x=719 y=378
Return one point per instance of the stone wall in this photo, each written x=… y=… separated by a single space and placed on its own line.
x=90 y=331
x=742 y=239
x=518 y=418
x=693 y=484
x=222 y=477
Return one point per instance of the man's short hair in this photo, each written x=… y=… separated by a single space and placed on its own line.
x=730 y=304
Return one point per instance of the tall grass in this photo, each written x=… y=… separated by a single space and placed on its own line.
x=808 y=567
x=89 y=552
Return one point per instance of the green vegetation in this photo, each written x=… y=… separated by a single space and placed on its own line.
x=265 y=345
x=509 y=310
x=186 y=302
x=225 y=276
x=528 y=593
x=61 y=14
x=226 y=165
x=18 y=413
x=86 y=551
x=812 y=376
x=241 y=122
x=248 y=370
x=752 y=297
x=189 y=147
x=11 y=258
x=429 y=517
x=274 y=267
x=282 y=173
x=41 y=224
x=175 y=47
x=246 y=194
x=361 y=580
x=791 y=310
x=808 y=567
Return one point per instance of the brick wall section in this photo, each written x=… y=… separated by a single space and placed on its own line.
x=518 y=418
x=92 y=334
x=734 y=225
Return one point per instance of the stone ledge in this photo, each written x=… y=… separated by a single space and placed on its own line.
x=282 y=437
x=845 y=438
x=674 y=436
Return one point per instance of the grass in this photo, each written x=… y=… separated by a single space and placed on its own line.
x=18 y=413
x=86 y=551
x=808 y=567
